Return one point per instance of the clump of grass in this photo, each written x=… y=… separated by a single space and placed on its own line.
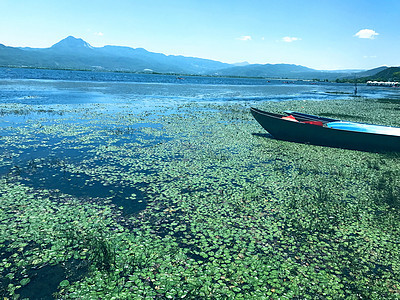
x=388 y=189
x=102 y=253
x=318 y=213
x=99 y=251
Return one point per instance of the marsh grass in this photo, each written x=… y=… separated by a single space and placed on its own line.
x=97 y=250
x=102 y=253
x=388 y=189
x=388 y=101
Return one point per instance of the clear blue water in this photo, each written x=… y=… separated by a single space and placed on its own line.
x=38 y=87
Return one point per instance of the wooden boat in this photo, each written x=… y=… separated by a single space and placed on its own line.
x=304 y=128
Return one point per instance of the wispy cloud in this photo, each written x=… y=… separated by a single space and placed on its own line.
x=366 y=34
x=289 y=39
x=99 y=33
x=244 y=38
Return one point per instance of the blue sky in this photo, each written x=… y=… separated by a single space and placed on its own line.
x=320 y=34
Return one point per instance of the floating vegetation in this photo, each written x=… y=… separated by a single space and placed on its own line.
x=337 y=93
x=218 y=208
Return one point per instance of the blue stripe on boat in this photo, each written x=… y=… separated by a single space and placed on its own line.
x=351 y=126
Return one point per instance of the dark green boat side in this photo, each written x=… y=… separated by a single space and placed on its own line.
x=320 y=135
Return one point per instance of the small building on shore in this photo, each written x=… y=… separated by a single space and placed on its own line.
x=384 y=83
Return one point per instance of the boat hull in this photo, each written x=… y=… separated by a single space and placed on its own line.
x=324 y=136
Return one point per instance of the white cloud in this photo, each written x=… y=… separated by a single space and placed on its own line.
x=366 y=34
x=245 y=38
x=99 y=33
x=289 y=39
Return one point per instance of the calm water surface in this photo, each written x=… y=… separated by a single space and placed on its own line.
x=40 y=87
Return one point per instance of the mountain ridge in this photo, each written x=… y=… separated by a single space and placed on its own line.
x=75 y=53
x=388 y=74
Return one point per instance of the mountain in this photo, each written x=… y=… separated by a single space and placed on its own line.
x=267 y=70
x=377 y=74
x=75 y=53
x=10 y=56
x=71 y=44
x=241 y=64
x=289 y=71
x=371 y=72
x=387 y=74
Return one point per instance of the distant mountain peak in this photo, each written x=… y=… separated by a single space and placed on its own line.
x=72 y=43
x=241 y=64
x=75 y=53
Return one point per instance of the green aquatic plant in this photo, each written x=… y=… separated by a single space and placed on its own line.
x=388 y=189
x=226 y=211
x=101 y=253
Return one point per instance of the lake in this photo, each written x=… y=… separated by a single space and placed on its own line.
x=30 y=86
x=138 y=185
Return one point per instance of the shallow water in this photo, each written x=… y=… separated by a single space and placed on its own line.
x=197 y=187
x=27 y=86
x=54 y=118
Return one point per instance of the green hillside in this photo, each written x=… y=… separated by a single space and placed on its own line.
x=389 y=74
